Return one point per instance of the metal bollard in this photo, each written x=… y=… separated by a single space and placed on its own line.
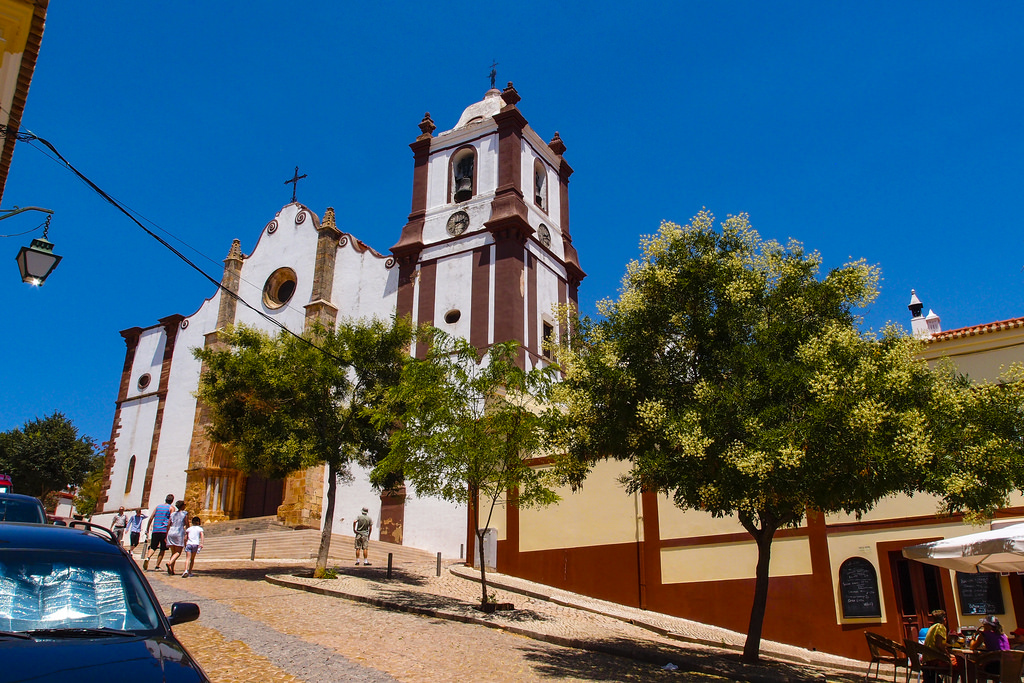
x=391 y=556
x=461 y=547
x=439 y=564
x=252 y=555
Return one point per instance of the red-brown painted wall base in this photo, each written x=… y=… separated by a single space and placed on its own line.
x=795 y=613
x=800 y=609
x=575 y=569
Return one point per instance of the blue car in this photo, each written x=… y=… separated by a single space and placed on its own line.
x=15 y=507
x=75 y=607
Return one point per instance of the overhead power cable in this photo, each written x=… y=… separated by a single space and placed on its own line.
x=25 y=136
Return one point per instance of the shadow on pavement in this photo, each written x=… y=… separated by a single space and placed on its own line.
x=563 y=663
x=693 y=664
x=257 y=573
x=378 y=573
x=429 y=601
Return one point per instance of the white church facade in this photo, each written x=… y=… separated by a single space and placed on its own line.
x=486 y=254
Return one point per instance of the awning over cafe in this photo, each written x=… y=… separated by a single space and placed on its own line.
x=999 y=550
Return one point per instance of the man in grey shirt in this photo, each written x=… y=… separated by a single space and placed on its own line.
x=119 y=523
x=361 y=528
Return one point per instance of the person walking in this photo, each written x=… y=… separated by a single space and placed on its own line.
x=176 y=535
x=362 y=528
x=194 y=538
x=118 y=524
x=135 y=529
x=159 y=522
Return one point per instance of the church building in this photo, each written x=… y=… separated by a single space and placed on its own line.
x=486 y=254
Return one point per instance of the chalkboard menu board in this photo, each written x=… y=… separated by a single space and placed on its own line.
x=858 y=587
x=979 y=593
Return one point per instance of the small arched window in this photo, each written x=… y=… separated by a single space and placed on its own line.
x=131 y=475
x=463 y=174
x=540 y=185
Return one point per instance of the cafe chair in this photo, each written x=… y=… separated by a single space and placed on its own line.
x=1011 y=662
x=923 y=659
x=884 y=651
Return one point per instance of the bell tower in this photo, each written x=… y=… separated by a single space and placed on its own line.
x=486 y=253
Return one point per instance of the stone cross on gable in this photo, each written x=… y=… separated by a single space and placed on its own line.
x=295 y=182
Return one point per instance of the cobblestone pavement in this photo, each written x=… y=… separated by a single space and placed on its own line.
x=251 y=630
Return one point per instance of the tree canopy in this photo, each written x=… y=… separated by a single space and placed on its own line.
x=735 y=379
x=466 y=428
x=283 y=404
x=46 y=455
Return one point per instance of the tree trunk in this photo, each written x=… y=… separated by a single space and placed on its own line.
x=752 y=646
x=483 y=564
x=325 y=535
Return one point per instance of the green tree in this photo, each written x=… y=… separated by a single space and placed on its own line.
x=466 y=428
x=89 y=492
x=282 y=404
x=46 y=455
x=977 y=434
x=735 y=380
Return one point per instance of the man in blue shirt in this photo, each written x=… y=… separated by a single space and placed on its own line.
x=135 y=529
x=159 y=522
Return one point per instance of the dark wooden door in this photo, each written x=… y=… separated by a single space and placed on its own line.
x=262 y=496
x=918 y=589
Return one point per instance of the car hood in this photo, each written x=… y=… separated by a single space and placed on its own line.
x=108 y=659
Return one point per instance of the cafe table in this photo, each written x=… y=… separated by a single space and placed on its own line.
x=969 y=662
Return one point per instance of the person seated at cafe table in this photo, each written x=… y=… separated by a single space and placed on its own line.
x=990 y=636
x=1016 y=638
x=937 y=639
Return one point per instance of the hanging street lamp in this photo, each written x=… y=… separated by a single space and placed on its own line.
x=37 y=260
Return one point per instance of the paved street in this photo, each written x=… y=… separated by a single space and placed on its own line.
x=251 y=630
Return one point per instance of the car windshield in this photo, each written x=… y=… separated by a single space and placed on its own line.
x=65 y=590
x=21 y=511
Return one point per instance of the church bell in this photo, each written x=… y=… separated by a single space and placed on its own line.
x=463 y=189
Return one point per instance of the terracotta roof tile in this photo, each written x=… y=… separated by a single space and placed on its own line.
x=976 y=330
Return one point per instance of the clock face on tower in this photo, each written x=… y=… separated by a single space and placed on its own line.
x=457 y=223
x=544 y=235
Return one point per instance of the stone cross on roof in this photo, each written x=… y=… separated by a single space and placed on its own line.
x=295 y=182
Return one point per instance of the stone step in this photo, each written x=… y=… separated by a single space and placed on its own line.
x=301 y=544
x=250 y=525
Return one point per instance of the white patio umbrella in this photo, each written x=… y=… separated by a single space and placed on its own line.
x=999 y=550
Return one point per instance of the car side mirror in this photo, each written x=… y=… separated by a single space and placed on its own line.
x=183 y=612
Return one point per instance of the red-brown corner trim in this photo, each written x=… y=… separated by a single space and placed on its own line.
x=480 y=299
x=649 y=550
x=411 y=240
x=508 y=295
x=131 y=340
x=533 y=311
x=564 y=171
x=406 y=289
x=425 y=311
x=171 y=325
x=472 y=514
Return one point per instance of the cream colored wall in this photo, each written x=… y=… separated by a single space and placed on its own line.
x=497 y=521
x=676 y=523
x=900 y=506
x=724 y=561
x=981 y=357
x=600 y=513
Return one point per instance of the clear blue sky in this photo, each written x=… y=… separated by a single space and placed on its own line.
x=889 y=131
